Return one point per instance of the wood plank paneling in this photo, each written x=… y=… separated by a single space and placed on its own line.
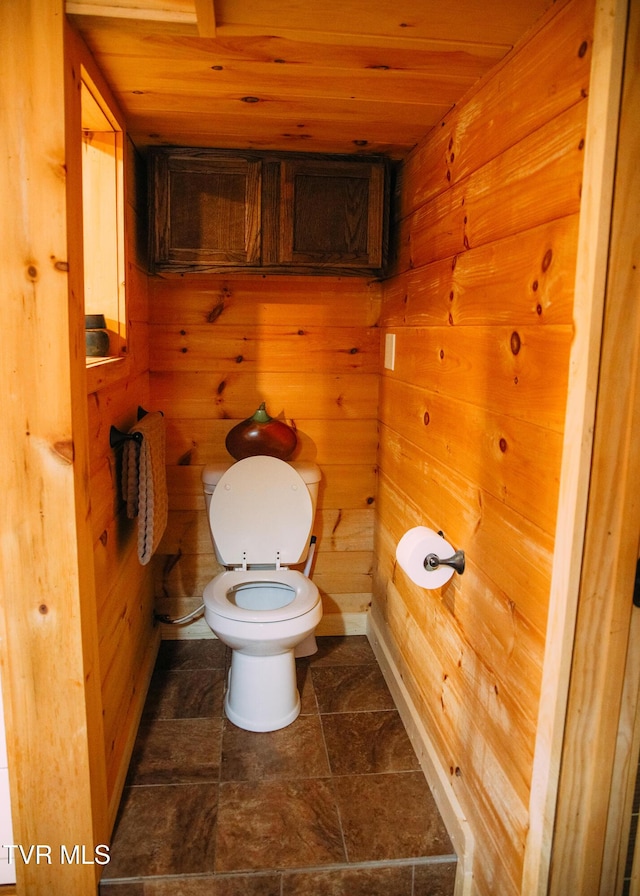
x=263 y=348
x=522 y=372
x=311 y=350
x=532 y=182
x=497 y=452
x=271 y=300
x=472 y=419
x=474 y=518
x=522 y=280
x=523 y=94
x=224 y=395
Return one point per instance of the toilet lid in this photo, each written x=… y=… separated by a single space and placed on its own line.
x=261 y=513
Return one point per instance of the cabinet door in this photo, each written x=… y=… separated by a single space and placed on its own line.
x=206 y=210
x=331 y=213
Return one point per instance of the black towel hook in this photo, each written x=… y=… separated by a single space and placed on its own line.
x=117 y=436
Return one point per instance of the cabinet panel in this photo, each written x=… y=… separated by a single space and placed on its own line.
x=331 y=213
x=206 y=210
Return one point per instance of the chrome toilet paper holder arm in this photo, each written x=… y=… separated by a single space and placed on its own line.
x=456 y=561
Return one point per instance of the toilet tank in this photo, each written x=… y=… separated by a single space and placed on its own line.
x=212 y=474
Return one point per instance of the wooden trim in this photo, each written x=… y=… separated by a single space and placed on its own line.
x=206 y=16
x=132 y=722
x=173 y=13
x=595 y=217
x=611 y=546
x=625 y=287
x=623 y=779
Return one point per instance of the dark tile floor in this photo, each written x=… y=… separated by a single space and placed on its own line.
x=333 y=805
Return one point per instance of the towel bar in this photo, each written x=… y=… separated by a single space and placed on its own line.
x=117 y=436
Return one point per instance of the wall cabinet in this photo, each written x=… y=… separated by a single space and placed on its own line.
x=217 y=210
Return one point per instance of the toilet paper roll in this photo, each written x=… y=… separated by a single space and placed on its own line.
x=412 y=549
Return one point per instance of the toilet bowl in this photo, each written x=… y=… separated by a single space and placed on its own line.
x=261 y=513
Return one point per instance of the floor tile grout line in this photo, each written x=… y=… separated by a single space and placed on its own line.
x=278 y=778
x=333 y=788
x=370 y=865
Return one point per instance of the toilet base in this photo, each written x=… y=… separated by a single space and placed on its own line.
x=307 y=647
x=261 y=691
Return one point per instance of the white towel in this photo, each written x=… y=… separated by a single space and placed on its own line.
x=144 y=482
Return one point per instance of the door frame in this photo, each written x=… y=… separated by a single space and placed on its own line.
x=599 y=733
x=597 y=528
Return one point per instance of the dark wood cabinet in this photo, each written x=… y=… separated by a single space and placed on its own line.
x=331 y=213
x=206 y=210
x=216 y=210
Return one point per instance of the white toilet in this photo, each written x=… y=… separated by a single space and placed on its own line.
x=261 y=511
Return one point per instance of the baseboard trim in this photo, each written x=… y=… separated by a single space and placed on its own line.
x=343 y=624
x=131 y=724
x=437 y=778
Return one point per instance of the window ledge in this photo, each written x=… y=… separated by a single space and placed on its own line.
x=102 y=372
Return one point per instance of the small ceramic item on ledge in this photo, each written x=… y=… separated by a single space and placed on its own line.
x=96 y=336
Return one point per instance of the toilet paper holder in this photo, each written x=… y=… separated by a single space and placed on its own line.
x=456 y=561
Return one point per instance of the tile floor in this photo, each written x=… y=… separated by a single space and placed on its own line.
x=333 y=805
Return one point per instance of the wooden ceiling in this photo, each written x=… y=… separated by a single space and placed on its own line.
x=346 y=76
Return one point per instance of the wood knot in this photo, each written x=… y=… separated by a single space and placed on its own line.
x=215 y=313
x=64 y=450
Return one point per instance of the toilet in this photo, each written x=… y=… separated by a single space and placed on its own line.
x=261 y=512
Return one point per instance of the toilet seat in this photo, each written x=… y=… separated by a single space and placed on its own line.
x=305 y=594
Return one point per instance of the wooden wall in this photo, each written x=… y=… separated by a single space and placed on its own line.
x=309 y=348
x=127 y=637
x=124 y=588
x=471 y=419
x=48 y=622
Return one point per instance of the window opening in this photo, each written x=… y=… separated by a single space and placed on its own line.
x=103 y=226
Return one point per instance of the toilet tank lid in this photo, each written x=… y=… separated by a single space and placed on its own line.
x=212 y=473
x=308 y=471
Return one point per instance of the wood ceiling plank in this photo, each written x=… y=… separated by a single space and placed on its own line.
x=140 y=87
x=497 y=21
x=283 y=132
x=296 y=109
x=110 y=37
